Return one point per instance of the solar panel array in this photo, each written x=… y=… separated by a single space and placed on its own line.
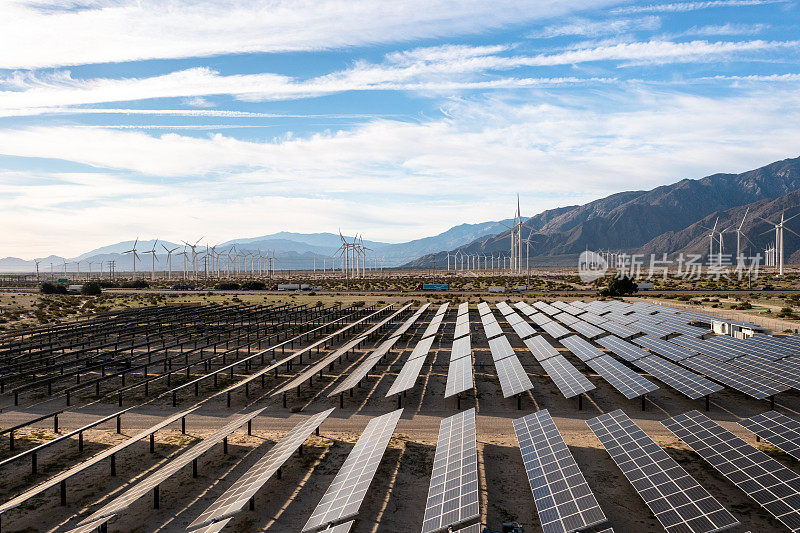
x=490 y=326
x=369 y=363
x=520 y=325
x=410 y=372
x=734 y=377
x=620 y=330
x=782 y=372
x=513 y=378
x=664 y=348
x=345 y=494
x=674 y=497
x=309 y=372
x=717 y=352
x=680 y=379
x=123 y=501
x=459 y=374
x=238 y=494
x=777 y=429
x=105 y=454
x=621 y=348
x=566 y=318
x=769 y=483
x=563 y=499
x=453 y=492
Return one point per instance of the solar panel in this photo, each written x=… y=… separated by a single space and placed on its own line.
x=461 y=348
x=664 y=348
x=436 y=321
x=540 y=348
x=345 y=494
x=785 y=373
x=566 y=318
x=566 y=377
x=680 y=379
x=453 y=491
x=410 y=372
x=769 y=483
x=513 y=378
x=483 y=308
x=555 y=330
x=520 y=325
x=490 y=326
x=504 y=308
x=369 y=363
x=124 y=501
x=540 y=319
x=525 y=308
x=238 y=494
x=546 y=308
x=581 y=349
x=108 y=452
x=592 y=318
x=622 y=378
x=462 y=330
x=617 y=329
x=777 y=429
x=463 y=308
x=623 y=349
x=734 y=377
x=501 y=348
x=563 y=499
x=459 y=376
x=675 y=498
x=587 y=330
x=717 y=352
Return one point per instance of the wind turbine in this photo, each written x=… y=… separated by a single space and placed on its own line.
x=711 y=237
x=169 y=259
x=779 y=227
x=153 y=253
x=37 y=261
x=739 y=237
x=135 y=255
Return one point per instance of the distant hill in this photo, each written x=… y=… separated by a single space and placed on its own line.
x=666 y=219
x=293 y=250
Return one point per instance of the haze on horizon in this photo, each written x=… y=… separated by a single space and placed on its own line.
x=395 y=121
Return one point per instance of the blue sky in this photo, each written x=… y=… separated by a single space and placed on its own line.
x=397 y=120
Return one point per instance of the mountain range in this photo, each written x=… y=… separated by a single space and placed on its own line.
x=671 y=219
x=293 y=250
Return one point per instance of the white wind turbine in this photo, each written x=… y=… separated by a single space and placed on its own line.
x=711 y=237
x=739 y=235
x=169 y=259
x=153 y=253
x=778 y=250
x=135 y=255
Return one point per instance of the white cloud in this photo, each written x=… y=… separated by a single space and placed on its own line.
x=117 y=30
x=435 y=70
x=597 y=28
x=392 y=180
x=197 y=101
x=692 y=6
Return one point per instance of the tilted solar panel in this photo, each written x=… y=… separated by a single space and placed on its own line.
x=566 y=377
x=622 y=378
x=580 y=348
x=734 y=377
x=238 y=494
x=587 y=330
x=555 y=330
x=345 y=494
x=563 y=499
x=680 y=379
x=622 y=348
x=459 y=376
x=540 y=348
x=769 y=483
x=674 y=497
x=453 y=492
x=777 y=429
x=513 y=378
x=664 y=348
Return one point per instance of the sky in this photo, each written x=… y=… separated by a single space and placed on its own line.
x=397 y=120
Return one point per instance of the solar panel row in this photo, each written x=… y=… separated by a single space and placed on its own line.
x=453 y=491
x=563 y=499
x=772 y=485
x=674 y=497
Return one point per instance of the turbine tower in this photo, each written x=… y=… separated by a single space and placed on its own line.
x=135 y=255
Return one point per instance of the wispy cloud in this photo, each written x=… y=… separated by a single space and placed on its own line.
x=198 y=101
x=31 y=37
x=434 y=70
x=597 y=28
x=691 y=6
